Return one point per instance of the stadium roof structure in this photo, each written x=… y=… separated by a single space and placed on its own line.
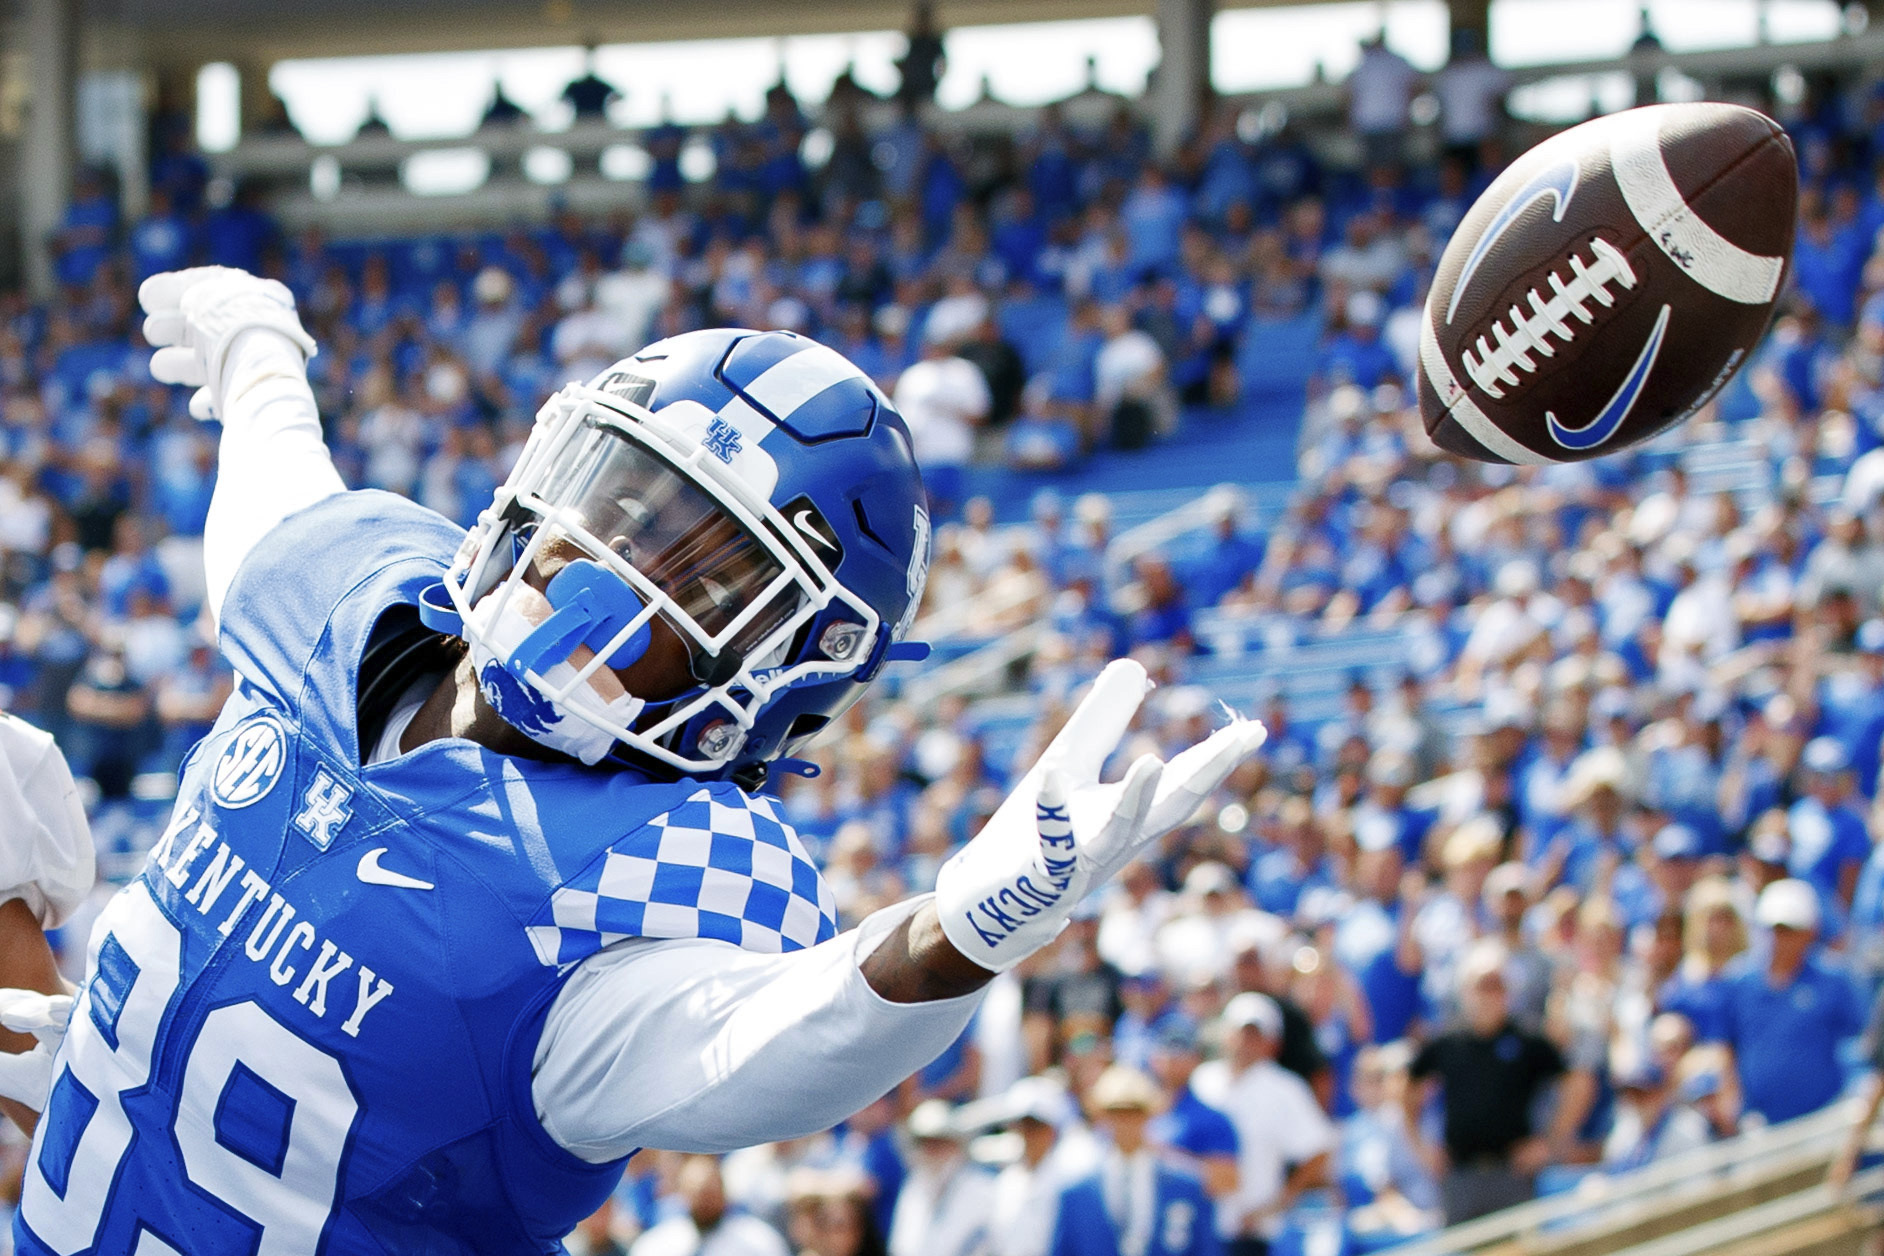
x=267 y=30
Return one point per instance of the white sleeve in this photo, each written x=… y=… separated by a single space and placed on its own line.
x=45 y=843
x=1305 y=1129
x=698 y=1046
x=273 y=461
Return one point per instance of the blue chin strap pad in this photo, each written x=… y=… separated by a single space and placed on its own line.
x=591 y=606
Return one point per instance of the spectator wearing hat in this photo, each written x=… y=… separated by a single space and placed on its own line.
x=1787 y=1013
x=1713 y=933
x=1490 y=1075
x=706 y=1225
x=1830 y=841
x=1285 y=1141
x=1447 y=921
x=1199 y=1135
x=945 y=1203
x=1137 y=1202
x=1027 y=1192
x=1595 y=796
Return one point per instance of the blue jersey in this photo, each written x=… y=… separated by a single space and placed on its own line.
x=309 y=1024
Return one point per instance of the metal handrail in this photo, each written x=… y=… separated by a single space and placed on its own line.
x=1813 y=1201
x=1600 y=1197
x=973 y=670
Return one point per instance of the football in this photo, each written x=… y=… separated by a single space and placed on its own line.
x=1607 y=284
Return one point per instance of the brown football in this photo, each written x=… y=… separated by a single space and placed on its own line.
x=1607 y=284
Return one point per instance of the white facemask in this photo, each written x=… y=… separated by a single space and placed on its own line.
x=552 y=724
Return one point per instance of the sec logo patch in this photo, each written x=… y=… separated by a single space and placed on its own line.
x=250 y=764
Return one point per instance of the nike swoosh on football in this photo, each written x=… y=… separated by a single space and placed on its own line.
x=1610 y=417
x=803 y=521
x=373 y=874
x=1559 y=183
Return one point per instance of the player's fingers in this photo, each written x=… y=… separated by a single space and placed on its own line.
x=165 y=291
x=1195 y=774
x=27 y=1077
x=175 y=364
x=165 y=327
x=30 y=1012
x=1124 y=831
x=1093 y=731
x=202 y=406
x=160 y=291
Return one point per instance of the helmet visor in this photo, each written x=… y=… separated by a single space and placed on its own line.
x=674 y=534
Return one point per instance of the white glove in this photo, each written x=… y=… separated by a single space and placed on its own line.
x=26 y=1078
x=194 y=318
x=1060 y=834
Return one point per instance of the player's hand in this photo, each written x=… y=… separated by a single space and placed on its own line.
x=26 y=1078
x=1061 y=834
x=194 y=317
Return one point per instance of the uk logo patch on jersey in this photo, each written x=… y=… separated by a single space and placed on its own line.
x=250 y=764
x=324 y=809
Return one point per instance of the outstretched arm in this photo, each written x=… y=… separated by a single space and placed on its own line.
x=239 y=342
x=696 y=1046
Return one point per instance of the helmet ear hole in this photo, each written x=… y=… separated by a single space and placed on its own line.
x=716 y=669
x=805 y=726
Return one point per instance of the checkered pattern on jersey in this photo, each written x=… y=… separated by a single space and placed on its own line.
x=721 y=865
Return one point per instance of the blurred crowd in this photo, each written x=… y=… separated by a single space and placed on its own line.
x=1589 y=879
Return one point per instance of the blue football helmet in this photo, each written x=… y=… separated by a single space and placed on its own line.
x=756 y=492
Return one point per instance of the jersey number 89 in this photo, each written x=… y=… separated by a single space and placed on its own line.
x=246 y=1074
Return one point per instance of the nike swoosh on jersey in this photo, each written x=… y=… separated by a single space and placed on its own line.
x=373 y=874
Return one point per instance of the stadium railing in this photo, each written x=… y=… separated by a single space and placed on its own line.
x=1749 y=1176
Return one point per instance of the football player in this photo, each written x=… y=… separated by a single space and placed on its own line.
x=471 y=891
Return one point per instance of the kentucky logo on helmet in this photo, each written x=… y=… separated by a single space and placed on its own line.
x=250 y=764
x=721 y=440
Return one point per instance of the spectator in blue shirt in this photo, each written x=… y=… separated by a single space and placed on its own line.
x=161 y=241
x=84 y=239
x=1383 y=1178
x=1354 y=354
x=1228 y=560
x=1787 y=1014
x=1829 y=839
x=1713 y=936
x=1201 y=1136
x=1135 y=1203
